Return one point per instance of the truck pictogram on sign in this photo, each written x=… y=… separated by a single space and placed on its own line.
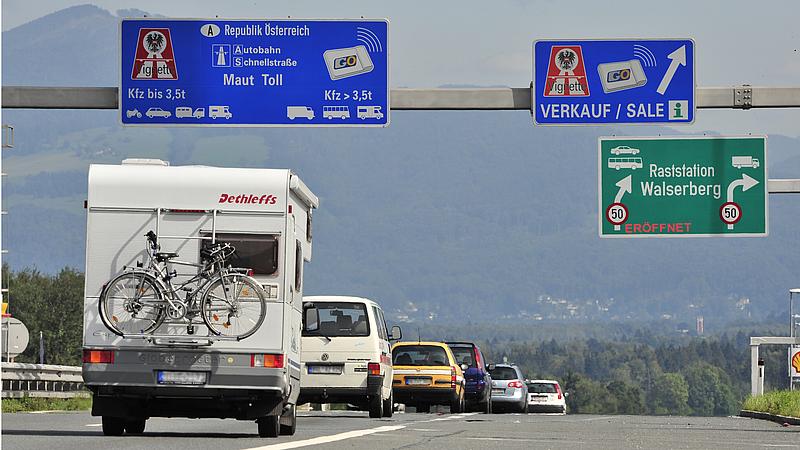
x=566 y=73
x=155 y=59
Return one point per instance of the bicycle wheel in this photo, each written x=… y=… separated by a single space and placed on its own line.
x=234 y=305
x=132 y=303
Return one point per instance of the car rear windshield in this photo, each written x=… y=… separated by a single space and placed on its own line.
x=542 y=388
x=341 y=319
x=503 y=373
x=419 y=355
x=464 y=355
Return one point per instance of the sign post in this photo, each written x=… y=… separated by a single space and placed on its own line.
x=596 y=82
x=682 y=186
x=254 y=72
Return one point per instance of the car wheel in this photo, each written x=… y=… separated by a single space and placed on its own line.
x=524 y=408
x=269 y=426
x=423 y=408
x=457 y=404
x=376 y=407
x=388 y=406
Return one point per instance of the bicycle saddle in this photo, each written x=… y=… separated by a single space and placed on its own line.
x=164 y=256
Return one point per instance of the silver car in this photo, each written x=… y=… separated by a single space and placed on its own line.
x=509 y=391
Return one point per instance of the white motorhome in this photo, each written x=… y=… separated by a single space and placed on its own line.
x=346 y=354
x=181 y=369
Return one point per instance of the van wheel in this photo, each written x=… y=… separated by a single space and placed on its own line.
x=376 y=407
x=113 y=426
x=388 y=406
x=135 y=426
x=423 y=408
x=289 y=421
x=269 y=426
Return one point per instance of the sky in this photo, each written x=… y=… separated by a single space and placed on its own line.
x=489 y=43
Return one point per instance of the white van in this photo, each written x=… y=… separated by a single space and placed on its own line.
x=346 y=356
x=181 y=368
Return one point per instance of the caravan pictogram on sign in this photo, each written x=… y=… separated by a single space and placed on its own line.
x=155 y=59
x=566 y=73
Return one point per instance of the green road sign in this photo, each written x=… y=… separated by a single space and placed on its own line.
x=682 y=186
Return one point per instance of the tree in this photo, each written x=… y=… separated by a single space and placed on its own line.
x=670 y=394
x=52 y=305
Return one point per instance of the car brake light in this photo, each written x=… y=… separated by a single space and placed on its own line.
x=98 y=356
x=266 y=360
x=374 y=368
x=515 y=384
x=478 y=361
x=558 y=390
x=250 y=272
x=452 y=377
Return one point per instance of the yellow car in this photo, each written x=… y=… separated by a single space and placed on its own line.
x=425 y=374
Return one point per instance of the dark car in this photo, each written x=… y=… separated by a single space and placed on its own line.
x=479 y=382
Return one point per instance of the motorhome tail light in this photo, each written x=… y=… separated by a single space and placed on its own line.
x=558 y=391
x=98 y=356
x=374 y=368
x=515 y=384
x=452 y=377
x=266 y=360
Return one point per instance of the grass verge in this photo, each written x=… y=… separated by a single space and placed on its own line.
x=783 y=403
x=28 y=404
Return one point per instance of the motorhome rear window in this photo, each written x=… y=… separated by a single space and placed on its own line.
x=341 y=319
x=253 y=251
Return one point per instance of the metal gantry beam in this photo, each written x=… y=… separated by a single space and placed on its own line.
x=738 y=97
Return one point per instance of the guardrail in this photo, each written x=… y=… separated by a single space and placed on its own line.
x=41 y=380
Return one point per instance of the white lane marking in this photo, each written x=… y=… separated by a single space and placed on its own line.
x=47 y=411
x=329 y=439
x=424 y=430
x=451 y=417
x=94 y=425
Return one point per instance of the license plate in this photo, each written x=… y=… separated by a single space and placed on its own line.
x=538 y=399
x=417 y=381
x=327 y=370
x=165 y=377
x=498 y=391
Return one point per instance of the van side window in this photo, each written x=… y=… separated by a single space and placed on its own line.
x=382 y=333
x=298 y=267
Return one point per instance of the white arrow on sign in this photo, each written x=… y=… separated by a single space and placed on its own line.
x=746 y=182
x=624 y=185
x=678 y=58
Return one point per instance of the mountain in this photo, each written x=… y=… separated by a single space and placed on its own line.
x=444 y=216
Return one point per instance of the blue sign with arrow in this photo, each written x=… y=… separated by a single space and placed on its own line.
x=594 y=82
x=254 y=72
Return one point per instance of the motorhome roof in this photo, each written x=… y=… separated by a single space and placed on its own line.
x=337 y=298
x=193 y=187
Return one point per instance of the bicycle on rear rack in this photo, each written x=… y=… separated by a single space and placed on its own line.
x=227 y=300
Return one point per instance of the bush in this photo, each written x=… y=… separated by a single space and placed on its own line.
x=782 y=403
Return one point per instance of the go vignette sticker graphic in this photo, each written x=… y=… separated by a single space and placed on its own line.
x=155 y=58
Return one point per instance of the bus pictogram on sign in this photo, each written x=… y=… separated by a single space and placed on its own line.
x=566 y=73
x=155 y=59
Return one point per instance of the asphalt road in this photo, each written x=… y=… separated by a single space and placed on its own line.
x=354 y=430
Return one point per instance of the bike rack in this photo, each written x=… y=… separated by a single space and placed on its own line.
x=180 y=340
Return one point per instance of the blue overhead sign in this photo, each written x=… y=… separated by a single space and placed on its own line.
x=254 y=72
x=594 y=82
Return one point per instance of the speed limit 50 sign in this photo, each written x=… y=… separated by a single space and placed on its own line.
x=682 y=186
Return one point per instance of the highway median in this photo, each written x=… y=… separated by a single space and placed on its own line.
x=778 y=406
